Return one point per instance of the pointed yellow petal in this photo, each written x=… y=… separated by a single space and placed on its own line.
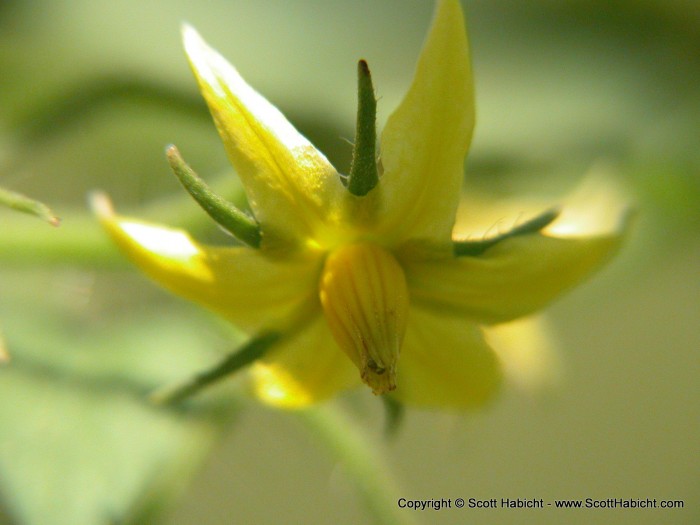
x=4 y=356
x=290 y=184
x=304 y=368
x=426 y=139
x=238 y=283
x=598 y=204
x=446 y=363
x=514 y=278
x=527 y=349
x=521 y=275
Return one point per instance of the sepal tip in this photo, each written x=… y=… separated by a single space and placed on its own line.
x=364 y=175
x=238 y=223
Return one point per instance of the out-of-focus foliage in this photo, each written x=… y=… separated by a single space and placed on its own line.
x=79 y=441
x=559 y=84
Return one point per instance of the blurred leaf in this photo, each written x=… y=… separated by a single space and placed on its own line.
x=75 y=105
x=79 y=443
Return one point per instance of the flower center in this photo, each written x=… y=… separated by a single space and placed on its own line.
x=365 y=300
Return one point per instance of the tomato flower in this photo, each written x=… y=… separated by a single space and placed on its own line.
x=360 y=278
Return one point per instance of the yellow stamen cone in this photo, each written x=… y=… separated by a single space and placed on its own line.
x=365 y=300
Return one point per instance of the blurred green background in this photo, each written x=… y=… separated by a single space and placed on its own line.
x=91 y=92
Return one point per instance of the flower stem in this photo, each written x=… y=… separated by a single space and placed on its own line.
x=358 y=456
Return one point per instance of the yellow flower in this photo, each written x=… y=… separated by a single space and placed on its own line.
x=369 y=284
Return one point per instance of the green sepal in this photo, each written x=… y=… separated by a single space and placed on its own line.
x=251 y=351
x=22 y=203
x=238 y=223
x=363 y=171
x=476 y=248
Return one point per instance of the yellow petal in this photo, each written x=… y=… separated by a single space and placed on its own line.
x=519 y=276
x=304 y=368
x=516 y=277
x=291 y=186
x=426 y=139
x=597 y=205
x=238 y=283
x=527 y=349
x=445 y=362
x=4 y=356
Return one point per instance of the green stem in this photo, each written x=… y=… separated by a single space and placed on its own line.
x=79 y=241
x=362 y=462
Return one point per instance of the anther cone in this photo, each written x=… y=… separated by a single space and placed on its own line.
x=365 y=301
